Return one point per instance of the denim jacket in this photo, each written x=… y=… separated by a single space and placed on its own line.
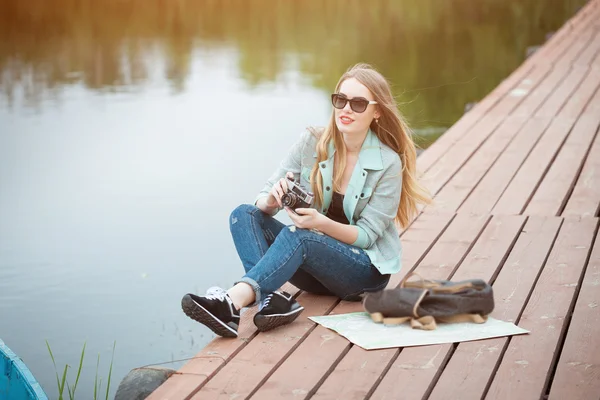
x=372 y=197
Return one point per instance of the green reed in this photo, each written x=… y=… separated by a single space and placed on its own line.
x=62 y=381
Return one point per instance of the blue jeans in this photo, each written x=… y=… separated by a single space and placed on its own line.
x=273 y=254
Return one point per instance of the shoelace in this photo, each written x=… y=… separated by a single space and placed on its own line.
x=215 y=293
x=265 y=302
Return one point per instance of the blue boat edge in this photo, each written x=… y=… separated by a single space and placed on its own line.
x=13 y=368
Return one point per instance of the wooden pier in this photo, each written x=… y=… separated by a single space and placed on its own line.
x=517 y=191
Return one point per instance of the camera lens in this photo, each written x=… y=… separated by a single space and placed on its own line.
x=288 y=199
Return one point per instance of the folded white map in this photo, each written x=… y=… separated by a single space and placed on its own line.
x=360 y=329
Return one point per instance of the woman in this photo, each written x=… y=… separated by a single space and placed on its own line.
x=361 y=169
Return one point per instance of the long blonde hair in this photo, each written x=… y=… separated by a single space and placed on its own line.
x=392 y=130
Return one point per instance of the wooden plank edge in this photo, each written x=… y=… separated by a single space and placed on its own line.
x=569 y=317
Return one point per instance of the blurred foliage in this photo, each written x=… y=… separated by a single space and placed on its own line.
x=438 y=54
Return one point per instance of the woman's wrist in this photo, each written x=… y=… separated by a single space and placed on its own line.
x=273 y=204
x=342 y=232
x=263 y=204
x=322 y=222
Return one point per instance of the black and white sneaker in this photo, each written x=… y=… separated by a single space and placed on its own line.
x=215 y=310
x=278 y=308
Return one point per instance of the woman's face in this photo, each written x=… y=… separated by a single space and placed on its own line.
x=349 y=121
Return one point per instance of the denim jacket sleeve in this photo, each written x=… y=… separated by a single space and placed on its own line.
x=291 y=163
x=382 y=207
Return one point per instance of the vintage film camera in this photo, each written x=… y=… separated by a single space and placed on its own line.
x=296 y=196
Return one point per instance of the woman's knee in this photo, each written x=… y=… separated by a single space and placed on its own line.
x=291 y=234
x=241 y=216
x=242 y=211
x=294 y=231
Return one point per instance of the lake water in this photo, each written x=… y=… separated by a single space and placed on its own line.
x=129 y=130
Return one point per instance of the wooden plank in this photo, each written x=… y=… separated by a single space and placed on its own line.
x=582 y=96
x=360 y=370
x=317 y=353
x=525 y=367
x=570 y=94
x=418 y=241
x=456 y=190
x=585 y=199
x=587 y=56
x=485 y=195
x=472 y=364
x=412 y=373
x=437 y=176
x=540 y=77
x=444 y=143
x=453 y=194
x=563 y=92
x=578 y=372
x=557 y=44
x=552 y=194
x=264 y=353
x=447 y=165
x=596 y=62
x=572 y=29
x=489 y=190
x=517 y=194
x=578 y=45
x=354 y=376
x=291 y=378
x=452 y=247
x=195 y=373
x=492 y=249
x=538 y=94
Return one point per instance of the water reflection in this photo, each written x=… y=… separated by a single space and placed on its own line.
x=440 y=55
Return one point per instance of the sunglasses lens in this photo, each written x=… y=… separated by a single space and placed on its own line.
x=338 y=101
x=359 y=105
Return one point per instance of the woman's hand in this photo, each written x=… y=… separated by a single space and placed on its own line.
x=306 y=218
x=278 y=190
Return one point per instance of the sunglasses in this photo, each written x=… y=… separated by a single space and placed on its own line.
x=357 y=104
